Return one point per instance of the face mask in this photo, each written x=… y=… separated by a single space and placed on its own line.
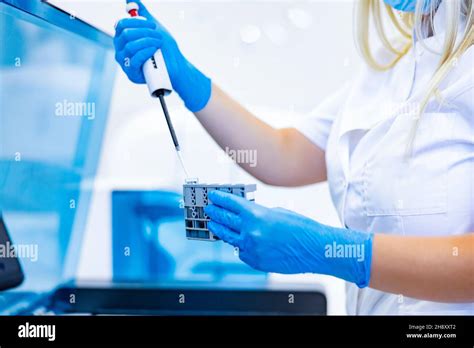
x=408 y=5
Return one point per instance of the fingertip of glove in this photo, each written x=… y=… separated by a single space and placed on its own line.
x=208 y=207
x=212 y=227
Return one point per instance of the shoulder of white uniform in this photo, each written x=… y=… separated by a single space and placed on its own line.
x=465 y=63
x=459 y=83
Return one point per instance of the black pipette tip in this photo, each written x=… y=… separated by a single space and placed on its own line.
x=161 y=96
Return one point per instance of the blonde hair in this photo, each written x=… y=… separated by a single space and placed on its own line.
x=420 y=24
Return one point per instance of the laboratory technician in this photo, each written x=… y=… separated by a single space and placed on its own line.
x=396 y=145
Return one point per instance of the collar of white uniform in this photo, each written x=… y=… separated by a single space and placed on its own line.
x=368 y=115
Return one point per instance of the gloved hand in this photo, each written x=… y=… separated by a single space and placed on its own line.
x=136 y=40
x=278 y=240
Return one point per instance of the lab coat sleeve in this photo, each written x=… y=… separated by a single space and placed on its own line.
x=316 y=126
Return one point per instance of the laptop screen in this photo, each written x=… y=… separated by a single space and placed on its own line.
x=56 y=74
x=11 y=274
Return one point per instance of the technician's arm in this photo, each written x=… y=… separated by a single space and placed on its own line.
x=285 y=157
x=278 y=240
x=428 y=268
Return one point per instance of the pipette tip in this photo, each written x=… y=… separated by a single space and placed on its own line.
x=178 y=152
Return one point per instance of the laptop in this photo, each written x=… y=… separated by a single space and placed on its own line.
x=11 y=274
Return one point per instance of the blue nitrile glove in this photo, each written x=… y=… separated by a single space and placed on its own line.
x=137 y=40
x=280 y=241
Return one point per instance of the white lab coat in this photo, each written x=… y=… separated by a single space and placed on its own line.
x=364 y=129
